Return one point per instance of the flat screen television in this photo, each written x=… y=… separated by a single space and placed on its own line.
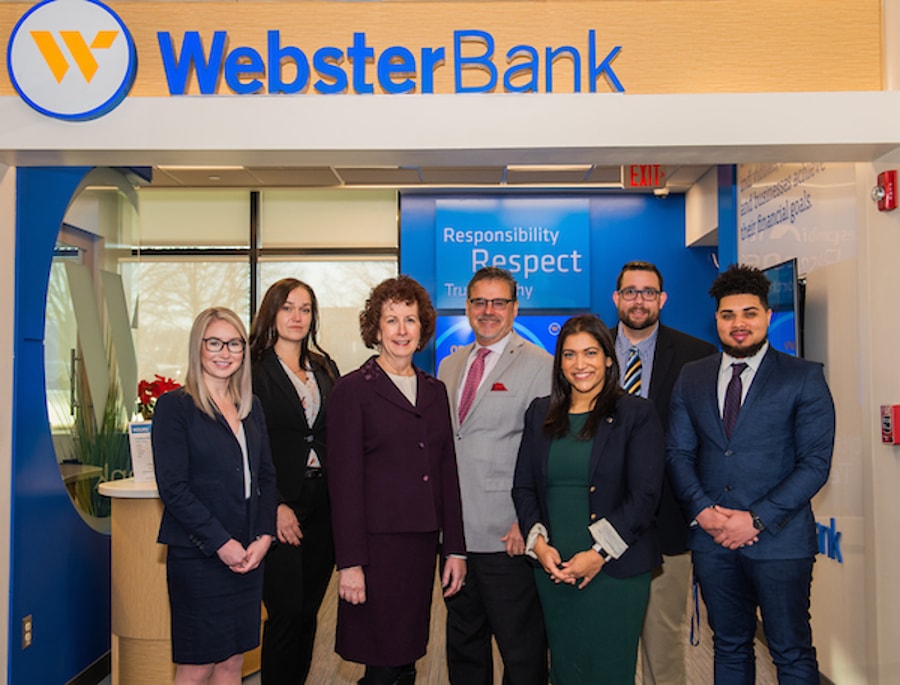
x=786 y=300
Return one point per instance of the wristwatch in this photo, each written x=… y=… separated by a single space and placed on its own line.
x=757 y=522
x=602 y=552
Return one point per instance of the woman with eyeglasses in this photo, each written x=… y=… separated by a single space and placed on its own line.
x=394 y=490
x=217 y=484
x=587 y=483
x=293 y=377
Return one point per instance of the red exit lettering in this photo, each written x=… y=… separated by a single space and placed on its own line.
x=646 y=176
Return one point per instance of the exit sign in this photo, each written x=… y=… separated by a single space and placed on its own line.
x=645 y=176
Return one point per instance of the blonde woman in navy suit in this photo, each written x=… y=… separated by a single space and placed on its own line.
x=293 y=377
x=587 y=484
x=217 y=483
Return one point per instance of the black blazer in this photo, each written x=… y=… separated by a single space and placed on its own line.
x=290 y=436
x=624 y=480
x=674 y=349
x=200 y=476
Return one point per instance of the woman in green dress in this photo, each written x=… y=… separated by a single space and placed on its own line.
x=586 y=489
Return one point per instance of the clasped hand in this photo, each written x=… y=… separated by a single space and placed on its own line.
x=582 y=566
x=731 y=528
x=241 y=560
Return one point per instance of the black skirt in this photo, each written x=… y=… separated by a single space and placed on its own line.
x=215 y=612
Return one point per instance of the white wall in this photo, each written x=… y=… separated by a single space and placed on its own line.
x=815 y=212
x=879 y=283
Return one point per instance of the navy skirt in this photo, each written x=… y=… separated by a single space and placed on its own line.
x=215 y=612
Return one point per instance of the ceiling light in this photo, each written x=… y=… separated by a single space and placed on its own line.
x=549 y=167
x=188 y=167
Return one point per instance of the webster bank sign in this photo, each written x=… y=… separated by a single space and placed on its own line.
x=77 y=60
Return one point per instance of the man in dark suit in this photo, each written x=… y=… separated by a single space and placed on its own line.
x=656 y=354
x=751 y=433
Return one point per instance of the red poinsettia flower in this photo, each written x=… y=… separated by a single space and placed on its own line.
x=150 y=391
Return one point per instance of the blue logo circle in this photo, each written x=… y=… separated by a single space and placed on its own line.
x=73 y=60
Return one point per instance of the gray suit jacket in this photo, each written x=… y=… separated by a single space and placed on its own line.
x=488 y=441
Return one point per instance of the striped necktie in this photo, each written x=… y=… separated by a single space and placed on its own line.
x=632 y=381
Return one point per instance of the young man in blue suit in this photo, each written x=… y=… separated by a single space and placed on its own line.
x=751 y=433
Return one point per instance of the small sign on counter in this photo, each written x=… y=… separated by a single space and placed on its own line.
x=141 y=451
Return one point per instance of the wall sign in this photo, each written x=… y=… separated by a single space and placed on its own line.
x=72 y=59
x=543 y=242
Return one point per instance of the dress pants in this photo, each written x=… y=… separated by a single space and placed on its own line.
x=733 y=585
x=295 y=582
x=499 y=599
x=665 y=625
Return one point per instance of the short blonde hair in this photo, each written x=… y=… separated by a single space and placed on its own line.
x=240 y=386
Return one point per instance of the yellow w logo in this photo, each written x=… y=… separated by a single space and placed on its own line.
x=78 y=48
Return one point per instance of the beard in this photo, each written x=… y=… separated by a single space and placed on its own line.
x=625 y=318
x=744 y=352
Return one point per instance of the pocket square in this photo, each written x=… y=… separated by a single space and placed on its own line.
x=498 y=386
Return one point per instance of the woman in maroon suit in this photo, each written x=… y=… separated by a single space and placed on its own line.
x=394 y=489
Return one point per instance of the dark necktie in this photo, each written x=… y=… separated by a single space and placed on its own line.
x=733 y=398
x=473 y=380
x=632 y=381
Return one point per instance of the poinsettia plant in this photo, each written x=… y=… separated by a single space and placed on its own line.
x=150 y=391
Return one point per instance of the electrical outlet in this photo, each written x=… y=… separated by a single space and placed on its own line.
x=26 y=632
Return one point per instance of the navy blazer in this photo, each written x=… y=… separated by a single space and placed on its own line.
x=290 y=435
x=624 y=480
x=200 y=476
x=392 y=466
x=673 y=350
x=778 y=457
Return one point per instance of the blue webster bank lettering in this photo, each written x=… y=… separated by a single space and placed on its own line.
x=288 y=69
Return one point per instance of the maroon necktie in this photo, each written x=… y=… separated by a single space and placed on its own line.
x=733 y=398
x=473 y=379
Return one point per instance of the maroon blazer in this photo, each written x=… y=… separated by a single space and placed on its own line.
x=392 y=466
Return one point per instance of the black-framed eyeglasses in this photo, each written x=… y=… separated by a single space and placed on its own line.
x=647 y=294
x=235 y=345
x=498 y=303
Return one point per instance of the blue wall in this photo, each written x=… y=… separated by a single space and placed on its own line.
x=623 y=227
x=59 y=564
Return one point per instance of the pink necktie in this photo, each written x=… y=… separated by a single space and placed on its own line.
x=473 y=379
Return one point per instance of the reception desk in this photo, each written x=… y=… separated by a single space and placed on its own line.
x=141 y=632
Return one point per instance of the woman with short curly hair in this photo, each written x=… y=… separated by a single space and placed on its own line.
x=394 y=489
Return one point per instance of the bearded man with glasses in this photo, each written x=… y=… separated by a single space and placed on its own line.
x=650 y=357
x=490 y=384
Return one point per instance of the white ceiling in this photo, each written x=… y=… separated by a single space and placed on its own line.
x=677 y=178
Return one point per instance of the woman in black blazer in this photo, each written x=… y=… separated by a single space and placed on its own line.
x=293 y=383
x=215 y=477
x=586 y=488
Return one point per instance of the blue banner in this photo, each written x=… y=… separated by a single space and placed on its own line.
x=544 y=243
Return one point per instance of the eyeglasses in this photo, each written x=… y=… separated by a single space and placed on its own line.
x=498 y=303
x=235 y=345
x=647 y=294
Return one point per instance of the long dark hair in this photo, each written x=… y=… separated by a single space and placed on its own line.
x=556 y=423
x=264 y=333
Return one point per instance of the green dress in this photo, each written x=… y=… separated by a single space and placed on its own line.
x=593 y=633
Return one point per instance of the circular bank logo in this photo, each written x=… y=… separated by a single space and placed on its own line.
x=72 y=59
